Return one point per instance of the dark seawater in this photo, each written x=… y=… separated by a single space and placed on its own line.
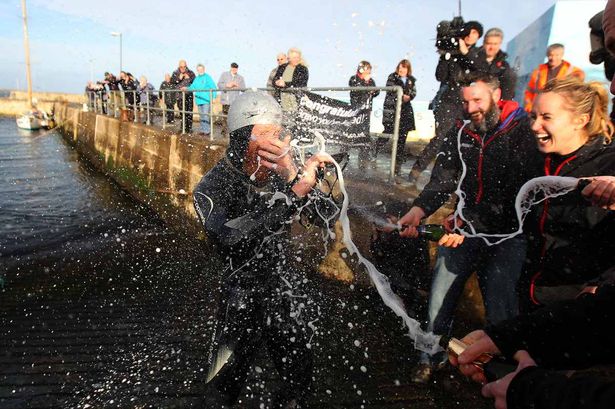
x=51 y=203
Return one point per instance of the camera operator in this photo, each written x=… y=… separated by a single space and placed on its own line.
x=454 y=63
x=456 y=45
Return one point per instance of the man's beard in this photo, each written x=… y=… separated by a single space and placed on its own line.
x=491 y=118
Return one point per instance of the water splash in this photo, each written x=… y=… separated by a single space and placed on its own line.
x=425 y=342
x=533 y=192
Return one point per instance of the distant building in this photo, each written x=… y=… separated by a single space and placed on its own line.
x=566 y=22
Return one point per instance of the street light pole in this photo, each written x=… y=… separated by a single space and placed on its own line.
x=118 y=34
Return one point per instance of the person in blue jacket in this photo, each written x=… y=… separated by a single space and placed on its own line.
x=203 y=98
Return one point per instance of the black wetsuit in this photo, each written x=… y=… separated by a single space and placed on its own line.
x=260 y=303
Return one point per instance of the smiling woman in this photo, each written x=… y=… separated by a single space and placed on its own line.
x=568 y=114
x=568 y=246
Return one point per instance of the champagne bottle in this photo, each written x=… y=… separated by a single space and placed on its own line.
x=433 y=232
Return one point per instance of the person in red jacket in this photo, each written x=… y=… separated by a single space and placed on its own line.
x=555 y=67
x=488 y=157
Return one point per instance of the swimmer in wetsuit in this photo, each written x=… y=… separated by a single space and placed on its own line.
x=246 y=204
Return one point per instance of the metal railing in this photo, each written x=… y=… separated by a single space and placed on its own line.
x=112 y=103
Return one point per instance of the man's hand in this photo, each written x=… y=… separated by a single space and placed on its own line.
x=275 y=155
x=309 y=179
x=463 y=47
x=411 y=219
x=451 y=239
x=280 y=83
x=601 y=192
x=406 y=98
x=498 y=389
x=479 y=343
x=392 y=220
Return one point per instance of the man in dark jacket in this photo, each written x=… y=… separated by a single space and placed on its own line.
x=113 y=86
x=448 y=106
x=492 y=60
x=485 y=160
x=169 y=97
x=129 y=86
x=246 y=204
x=358 y=99
x=574 y=334
x=293 y=74
x=181 y=79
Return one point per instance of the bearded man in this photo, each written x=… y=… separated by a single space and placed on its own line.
x=489 y=156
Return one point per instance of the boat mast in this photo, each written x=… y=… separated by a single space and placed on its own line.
x=27 y=49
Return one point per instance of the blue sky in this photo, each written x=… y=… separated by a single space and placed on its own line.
x=69 y=38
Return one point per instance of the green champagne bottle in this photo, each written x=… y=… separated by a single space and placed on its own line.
x=433 y=232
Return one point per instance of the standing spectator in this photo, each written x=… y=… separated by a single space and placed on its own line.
x=608 y=27
x=403 y=78
x=181 y=79
x=146 y=93
x=90 y=92
x=490 y=157
x=599 y=53
x=491 y=60
x=129 y=86
x=203 y=99
x=293 y=74
x=363 y=78
x=281 y=59
x=101 y=90
x=555 y=67
x=229 y=80
x=169 y=97
x=113 y=85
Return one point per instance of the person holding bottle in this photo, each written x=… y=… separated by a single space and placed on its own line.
x=570 y=234
x=496 y=145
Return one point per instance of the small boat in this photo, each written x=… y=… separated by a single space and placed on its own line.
x=31 y=121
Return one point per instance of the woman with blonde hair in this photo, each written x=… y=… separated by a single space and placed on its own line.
x=293 y=74
x=571 y=239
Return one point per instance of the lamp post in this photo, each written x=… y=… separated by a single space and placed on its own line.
x=118 y=34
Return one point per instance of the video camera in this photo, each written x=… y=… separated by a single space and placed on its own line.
x=449 y=32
